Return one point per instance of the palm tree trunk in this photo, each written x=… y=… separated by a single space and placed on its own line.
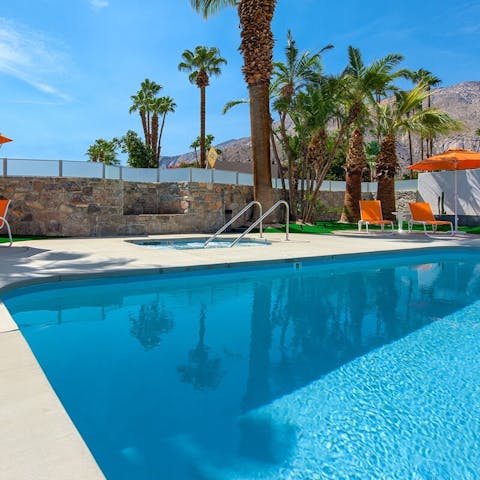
x=144 y=125
x=356 y=163
x=155 y=139
x=148 y=136
x=386 y=168
x=260 y=129
x=277 y=159
x=159 y=146
x=203 y=153
x=292 y=184
x=315 y=155
x=257 y=51
x=323 y=170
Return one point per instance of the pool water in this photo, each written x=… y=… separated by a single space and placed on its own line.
x=345 y=370
x=198 y=243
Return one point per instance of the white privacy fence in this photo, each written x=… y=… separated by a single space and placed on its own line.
x=15 y=167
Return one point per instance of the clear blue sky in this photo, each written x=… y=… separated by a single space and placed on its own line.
x=68 y=68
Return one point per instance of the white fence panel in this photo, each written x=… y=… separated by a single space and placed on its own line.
x=369 y=187
x=82 y=169
x=224 y=176
x=336 y=186
x=402 y=185
x=175 y=175
x=201 y=175
x=36 y=168
x=112 y=172
x=245 y=179
x=139 y=174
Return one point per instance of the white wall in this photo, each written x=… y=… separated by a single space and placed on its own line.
x=431 y=186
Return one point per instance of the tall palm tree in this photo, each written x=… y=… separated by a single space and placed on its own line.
x=203 y=63
x=394 y=120
x=366 y=85
x=143 y=103
x=430 y=80
x=257 y=50
x=161 y=106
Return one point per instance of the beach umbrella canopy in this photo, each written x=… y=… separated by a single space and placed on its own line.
x=455 y=159
x=4 y=139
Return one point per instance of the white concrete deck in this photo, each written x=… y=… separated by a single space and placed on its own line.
x=37 y=439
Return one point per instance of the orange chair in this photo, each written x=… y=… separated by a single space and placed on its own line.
x=422 y=215
x=371 y=214
x=4 y=204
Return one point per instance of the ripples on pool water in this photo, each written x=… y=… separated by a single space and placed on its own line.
x=362 y=370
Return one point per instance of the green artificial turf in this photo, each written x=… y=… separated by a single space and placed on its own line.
x=321 y=228
x=5 y=239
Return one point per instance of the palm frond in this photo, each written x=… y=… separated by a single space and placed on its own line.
x=211 y=7
x=234 y=103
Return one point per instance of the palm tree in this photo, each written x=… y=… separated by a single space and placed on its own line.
x=161 y=106
x=143 y=103
x=429 y=80
x=103 y=151
x=203 y=370
x=372 y=149
x=203 y=63
x=312 y=112
x=209 y=138
x=289 y=78
x=257 y=50
x=394 y=120
x=366 y=85
x=195 y=144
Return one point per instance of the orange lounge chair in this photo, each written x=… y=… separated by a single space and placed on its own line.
x=3 y=217
x=371 y=214
x=422 y=215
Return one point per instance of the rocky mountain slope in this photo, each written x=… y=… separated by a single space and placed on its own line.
x=462 y=101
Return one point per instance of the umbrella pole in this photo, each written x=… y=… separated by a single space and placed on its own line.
x=456 y=200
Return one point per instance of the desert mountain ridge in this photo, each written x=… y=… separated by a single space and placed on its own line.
x=461 y=101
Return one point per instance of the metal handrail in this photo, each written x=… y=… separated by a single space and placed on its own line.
x=260 y=220
x=239 y=214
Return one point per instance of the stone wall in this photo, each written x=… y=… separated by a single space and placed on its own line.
x=403 y=198
x=96 y=207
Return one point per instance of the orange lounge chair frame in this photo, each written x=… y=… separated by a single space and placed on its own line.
x=4 y=204
x=421 y=214
x=371 y=214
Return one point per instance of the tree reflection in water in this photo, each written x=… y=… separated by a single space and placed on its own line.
x=308 y=325
x=152 y=323
x=202 y=371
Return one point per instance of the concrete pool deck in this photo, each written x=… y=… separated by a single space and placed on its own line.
x=37 y=439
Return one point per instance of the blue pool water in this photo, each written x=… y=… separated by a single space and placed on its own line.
x=346 y=370
x=198 y=243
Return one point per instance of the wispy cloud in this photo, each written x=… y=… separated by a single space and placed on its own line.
x=98 y=4
x=31 y=57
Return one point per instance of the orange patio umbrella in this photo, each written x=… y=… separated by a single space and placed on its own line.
x=4 y=139
x=455 y=159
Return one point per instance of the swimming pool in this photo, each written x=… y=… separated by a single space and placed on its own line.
x=197 y=243
x=364 y=369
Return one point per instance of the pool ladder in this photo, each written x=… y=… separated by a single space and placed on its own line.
x=259 y=221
